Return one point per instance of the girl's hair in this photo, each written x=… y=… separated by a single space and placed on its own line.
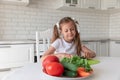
x=56 y=32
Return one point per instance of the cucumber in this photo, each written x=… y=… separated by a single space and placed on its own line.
x=68 y=73
x=69 y=66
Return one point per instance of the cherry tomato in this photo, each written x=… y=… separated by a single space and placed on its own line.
x=48 y=59
x=54 y=69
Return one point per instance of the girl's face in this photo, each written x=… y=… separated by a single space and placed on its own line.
x=68 y=31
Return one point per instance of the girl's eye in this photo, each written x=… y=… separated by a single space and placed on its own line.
x=66 y=31
x=72 y=29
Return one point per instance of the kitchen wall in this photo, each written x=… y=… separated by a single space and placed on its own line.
x=21 y=22
x=114 y=29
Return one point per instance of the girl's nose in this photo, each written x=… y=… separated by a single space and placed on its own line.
x=70 y=31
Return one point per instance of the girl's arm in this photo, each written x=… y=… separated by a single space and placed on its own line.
x=62 y=55
x=51 y=51
x=87 y=52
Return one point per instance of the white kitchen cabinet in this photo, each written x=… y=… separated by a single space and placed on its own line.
x=15 y=2
x=115 y=48
x=109 y=4
x=79 y=5
x=103 y=48
x=101 y=4
x=91 y=45
x=16 y=55
x=68 y=4
x=91 y=4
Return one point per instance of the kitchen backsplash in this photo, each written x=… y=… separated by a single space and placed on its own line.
x=114 y=28
x=21 y=22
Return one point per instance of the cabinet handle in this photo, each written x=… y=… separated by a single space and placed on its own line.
x=7 y=69
x=19 y=0
x=5 y=46
x=73 y=5
x=117 y=42
x=91 y=7
x=85 y=42
x=103 y=41
x=111 y=8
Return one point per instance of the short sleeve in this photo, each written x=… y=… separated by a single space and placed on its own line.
x=56 y=43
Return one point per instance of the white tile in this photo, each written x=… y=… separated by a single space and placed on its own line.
x=41 y=14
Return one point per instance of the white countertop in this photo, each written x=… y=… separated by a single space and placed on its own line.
x=17 y=41
x=31 y=41
x=107 y=69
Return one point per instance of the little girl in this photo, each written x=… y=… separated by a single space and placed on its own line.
x=66 y=40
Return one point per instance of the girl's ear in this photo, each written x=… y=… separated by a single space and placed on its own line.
x=61 y=34
x=60 y=31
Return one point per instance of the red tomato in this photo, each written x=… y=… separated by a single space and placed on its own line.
x=48 y=59
x=54 y=69
x=82 y=73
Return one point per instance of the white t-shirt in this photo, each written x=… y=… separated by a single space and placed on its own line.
x=62 y=46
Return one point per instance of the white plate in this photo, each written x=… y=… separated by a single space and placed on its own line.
x=49 y=77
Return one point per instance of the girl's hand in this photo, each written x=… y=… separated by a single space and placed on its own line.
x=59 y=55
x=88 y=53
x=43 y=57
x=62 y=55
